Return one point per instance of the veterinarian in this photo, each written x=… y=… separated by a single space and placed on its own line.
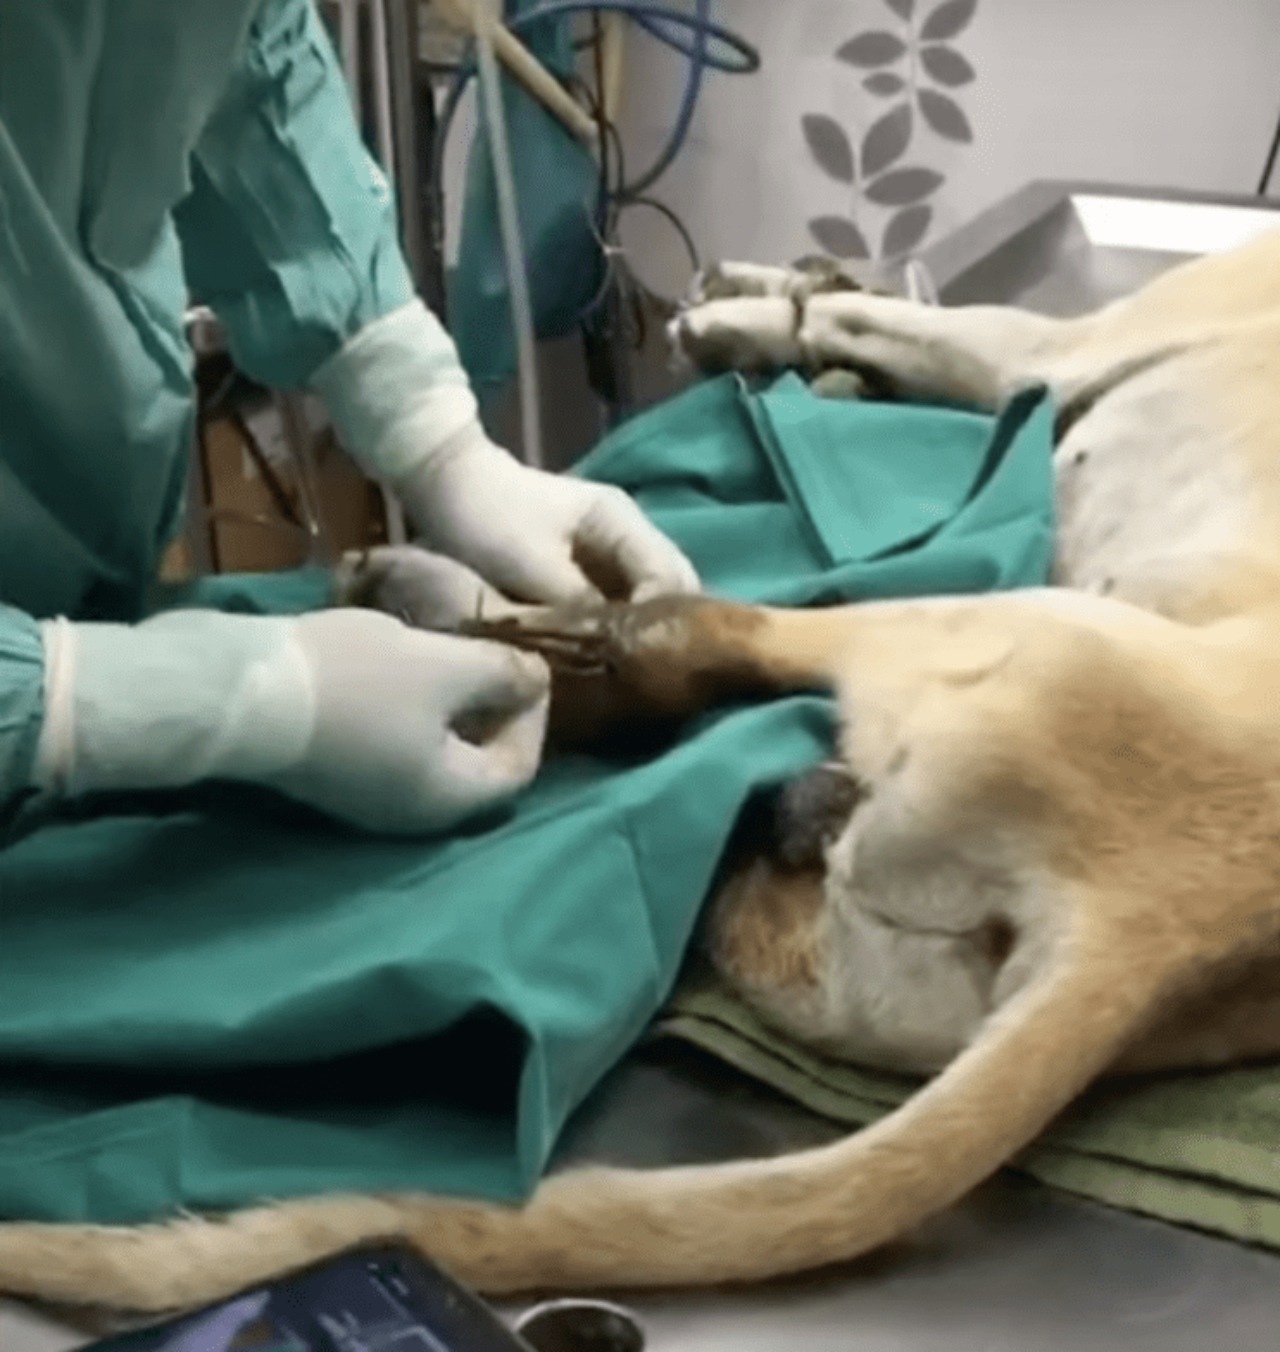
x=151 y=152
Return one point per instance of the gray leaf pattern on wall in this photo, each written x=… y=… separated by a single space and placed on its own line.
x=944 y=115
x=905 y=230
x=886 y=141
x=899 y=66
x=948 y=20
x=829 y=145
x=946 y=65
x=901 y=186
x=884 y=84
x=872 y=49
x=840 y=237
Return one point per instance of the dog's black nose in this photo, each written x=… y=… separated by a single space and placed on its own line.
x=809 y=812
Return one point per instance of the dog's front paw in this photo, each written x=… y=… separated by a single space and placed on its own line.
x=808 y=276
x=644 y=644
x=621 y=666
x=839 y=383
x=738 y=333
x=724 y=281
x=748 y=316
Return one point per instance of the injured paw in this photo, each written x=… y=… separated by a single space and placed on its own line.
x=639 y=642
x=609 y=675
x=618 y=664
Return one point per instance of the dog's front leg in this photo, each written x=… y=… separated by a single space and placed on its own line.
x=977 y=354
x=619 y=664
x=622 y=665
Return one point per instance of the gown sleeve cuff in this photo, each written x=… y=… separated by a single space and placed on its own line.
x=21 y=700
x=397 y=392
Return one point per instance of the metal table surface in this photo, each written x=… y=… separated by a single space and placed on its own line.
x=1016 y=1267
x=1062 y=248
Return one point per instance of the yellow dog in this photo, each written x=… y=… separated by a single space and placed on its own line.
x=1052 y=846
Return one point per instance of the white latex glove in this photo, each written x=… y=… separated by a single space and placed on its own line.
x=530 y=533
x=352 y=712
x=404 y=409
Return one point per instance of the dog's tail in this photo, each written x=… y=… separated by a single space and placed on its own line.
x=683 y=1226
x=763 y=1218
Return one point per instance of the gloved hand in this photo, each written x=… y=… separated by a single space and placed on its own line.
x=350 y=711
x=533 y=535
x=403 y=407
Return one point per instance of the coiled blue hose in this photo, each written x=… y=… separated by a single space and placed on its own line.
x=705 y=44
x=667 y=25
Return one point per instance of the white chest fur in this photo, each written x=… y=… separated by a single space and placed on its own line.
x=1150 y=489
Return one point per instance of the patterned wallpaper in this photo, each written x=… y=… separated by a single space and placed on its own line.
x=981 y=95
x=912 y=69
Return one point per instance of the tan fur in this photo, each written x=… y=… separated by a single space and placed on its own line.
x=765 y=926
x=1067 y=857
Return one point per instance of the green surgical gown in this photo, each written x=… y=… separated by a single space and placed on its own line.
x=151 y=153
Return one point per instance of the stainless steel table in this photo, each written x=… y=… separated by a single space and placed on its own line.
x=1064 y=248
x=1016 y=1268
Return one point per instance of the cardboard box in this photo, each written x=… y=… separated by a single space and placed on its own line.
x=256 y=507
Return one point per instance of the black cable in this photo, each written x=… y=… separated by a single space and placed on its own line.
x=661 y=22
x=602 y=120
x=681 y=229
x=613 y=320
x=1270 y=165
x=613 y=198
x=610 y=138
x=618 y=201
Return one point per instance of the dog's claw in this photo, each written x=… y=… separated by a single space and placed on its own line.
x=563 y=649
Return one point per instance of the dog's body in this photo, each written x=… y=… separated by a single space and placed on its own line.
x=1063 y=854
x=1167 y=494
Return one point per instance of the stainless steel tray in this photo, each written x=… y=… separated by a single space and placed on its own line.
x=1063 y=247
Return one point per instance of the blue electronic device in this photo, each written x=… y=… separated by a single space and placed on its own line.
x=382 y=1298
